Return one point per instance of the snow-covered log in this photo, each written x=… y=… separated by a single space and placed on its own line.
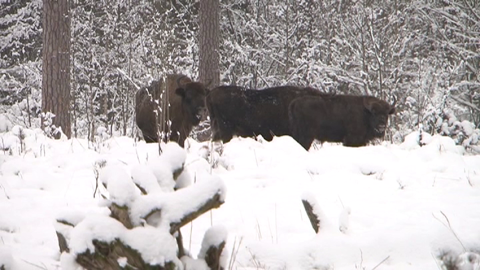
x=141 y=229
x=213 y=245
x=314 y=220
x=314 y=213
x=111 y=256
x=208 y=205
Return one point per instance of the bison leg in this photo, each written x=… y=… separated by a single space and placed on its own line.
x=218 y=137
x=268 y=136
x=219 y=130
x=150 y=139
x=226 y=136
x=217 y=134
x=299 y=135
x=302 y=138
x=149 y=136
x=306 y=142
x=222 y=133
x=353 y=141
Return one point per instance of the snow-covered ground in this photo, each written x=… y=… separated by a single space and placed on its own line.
x=381 y=207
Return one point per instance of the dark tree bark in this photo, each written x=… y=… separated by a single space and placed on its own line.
x=56 y=64
x=106 y=254
x=209 y=36
x=212 y=257
x=106 y=257
x=314 y=219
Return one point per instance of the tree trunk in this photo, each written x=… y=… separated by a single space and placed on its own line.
x=209 y=35
x=56 y=64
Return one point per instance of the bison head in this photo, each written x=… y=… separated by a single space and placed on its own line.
x=193 y=100
x=378 y=112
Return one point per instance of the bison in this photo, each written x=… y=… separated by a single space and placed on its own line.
x=351 y=120
x=186 y=106
x=244 y=112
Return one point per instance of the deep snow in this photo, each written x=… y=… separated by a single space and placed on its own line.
x=385 y=206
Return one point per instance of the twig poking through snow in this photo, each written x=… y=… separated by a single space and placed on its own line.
x=343 y=220
x=38 y=266
x=235 y=249
x=380 y=263
x=128 y=77
x=449 y=226
x=361 y=262
x=5 y=191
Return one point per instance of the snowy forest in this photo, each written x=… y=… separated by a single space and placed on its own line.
x=108 y=200
x=425 y=54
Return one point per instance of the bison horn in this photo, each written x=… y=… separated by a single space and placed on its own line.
x=394 y=101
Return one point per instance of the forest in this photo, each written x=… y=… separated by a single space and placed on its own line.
x=424 y=53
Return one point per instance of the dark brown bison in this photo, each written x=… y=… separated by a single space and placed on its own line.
x=245 y=112
x=186 y=106
x=351 y=120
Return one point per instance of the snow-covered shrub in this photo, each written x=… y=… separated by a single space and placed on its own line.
x=147 y=210
x=25 y=113
x=5 y=123
x=462 y=132
x=467 y=260
x=442 y=120
x=437 y=114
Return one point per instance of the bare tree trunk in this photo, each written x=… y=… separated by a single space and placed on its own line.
x=209 y=60
x=56 y=64
x=209 y=35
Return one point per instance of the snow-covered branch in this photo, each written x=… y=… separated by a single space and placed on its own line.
x=153 y=216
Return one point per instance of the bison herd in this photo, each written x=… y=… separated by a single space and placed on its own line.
x=304 y=113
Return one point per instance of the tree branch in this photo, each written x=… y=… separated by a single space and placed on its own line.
x=121 y=214
x=210 y=204
x=466 y=103
x=62 y=243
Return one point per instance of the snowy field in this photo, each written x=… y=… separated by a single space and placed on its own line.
x=381 y=207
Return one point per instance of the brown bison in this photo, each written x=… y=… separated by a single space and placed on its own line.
x=186 y=106
x=245 y=112
x=351 y=120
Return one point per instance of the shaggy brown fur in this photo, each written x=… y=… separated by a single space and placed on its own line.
x=173 y=120
x=245 y=112
x=351 y=120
